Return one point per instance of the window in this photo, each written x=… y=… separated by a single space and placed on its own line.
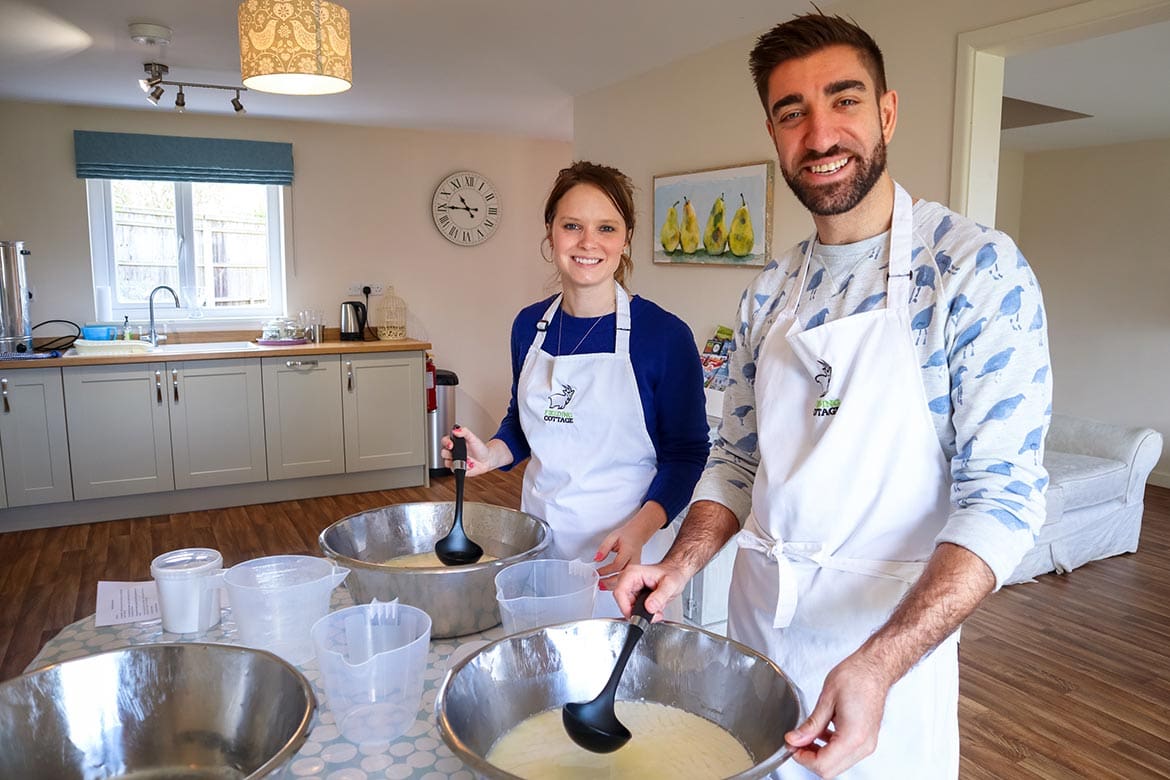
x=219 y=245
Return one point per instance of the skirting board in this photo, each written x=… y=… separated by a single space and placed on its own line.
x=170 y=502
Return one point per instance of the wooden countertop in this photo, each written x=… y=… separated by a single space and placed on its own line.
x=175 y=352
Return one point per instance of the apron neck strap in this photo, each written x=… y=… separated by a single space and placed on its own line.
x=622 y=337
x=901 y=241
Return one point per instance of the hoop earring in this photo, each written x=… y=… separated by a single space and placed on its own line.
x=547 y=258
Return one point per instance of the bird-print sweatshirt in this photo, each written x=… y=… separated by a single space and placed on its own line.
x=980 y=332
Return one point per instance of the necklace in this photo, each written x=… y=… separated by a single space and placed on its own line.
x=561 y=332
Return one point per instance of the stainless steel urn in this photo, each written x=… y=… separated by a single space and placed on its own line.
x=15 y=327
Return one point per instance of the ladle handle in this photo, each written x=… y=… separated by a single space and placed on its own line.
x=639 y=621
x=459 y=467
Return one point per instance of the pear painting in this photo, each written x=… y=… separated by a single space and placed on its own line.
x=741 y=239
x=715 y=236
x=690 y=228
x=717 y=216
x=671 y=235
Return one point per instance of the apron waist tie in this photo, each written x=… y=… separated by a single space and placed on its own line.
x=788 y=555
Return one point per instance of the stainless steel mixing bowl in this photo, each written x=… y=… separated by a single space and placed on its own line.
x=491 y=691
x=175 y=710
x=460 y=599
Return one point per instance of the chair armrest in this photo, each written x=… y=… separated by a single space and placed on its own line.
x=1139 y=448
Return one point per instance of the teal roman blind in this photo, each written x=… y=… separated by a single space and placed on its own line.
x=177 y=158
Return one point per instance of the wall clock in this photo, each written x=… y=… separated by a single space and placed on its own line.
x=466 y=208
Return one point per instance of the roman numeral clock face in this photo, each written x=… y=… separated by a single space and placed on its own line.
x=466 y=208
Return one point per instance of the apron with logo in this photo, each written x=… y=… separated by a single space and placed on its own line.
x=851 y=491
x=592 y=459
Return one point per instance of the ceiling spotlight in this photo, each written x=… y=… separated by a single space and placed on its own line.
x=154 y=75
x=180 y=101
x=237 y=105
x=155 y=95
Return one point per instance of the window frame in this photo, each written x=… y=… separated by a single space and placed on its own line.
x=102 y=258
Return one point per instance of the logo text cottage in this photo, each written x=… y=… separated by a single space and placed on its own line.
x=826 y=408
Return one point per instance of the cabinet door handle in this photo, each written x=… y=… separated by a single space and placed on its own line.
x=175 y=382
x=4 y=389
x=349 y=374
x=158 y=385
x=300 y=363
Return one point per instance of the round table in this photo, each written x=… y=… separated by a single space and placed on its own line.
x=419 y=754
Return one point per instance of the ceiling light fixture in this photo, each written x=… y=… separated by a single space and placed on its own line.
x=154 y=82
x=150 y=34
x=154 y=75
x=295 y=47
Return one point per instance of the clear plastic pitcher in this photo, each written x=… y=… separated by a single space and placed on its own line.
x=275 y=601
x=545 y=592
x=372 y=659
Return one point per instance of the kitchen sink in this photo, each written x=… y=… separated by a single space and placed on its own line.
x=207 y=346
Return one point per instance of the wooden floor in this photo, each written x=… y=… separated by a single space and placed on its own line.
x=1068 y=677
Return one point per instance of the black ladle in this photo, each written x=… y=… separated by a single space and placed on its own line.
x=455 y=549
x=593 y=724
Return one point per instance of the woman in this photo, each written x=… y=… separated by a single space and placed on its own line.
x=607 y=394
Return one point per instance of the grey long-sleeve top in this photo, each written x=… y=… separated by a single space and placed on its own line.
x=980 y=332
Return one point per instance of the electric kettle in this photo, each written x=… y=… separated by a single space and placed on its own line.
x=353 y=321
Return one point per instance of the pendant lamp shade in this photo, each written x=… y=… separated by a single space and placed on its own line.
x=295 y=47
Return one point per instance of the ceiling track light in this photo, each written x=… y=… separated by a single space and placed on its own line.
x=153 y=85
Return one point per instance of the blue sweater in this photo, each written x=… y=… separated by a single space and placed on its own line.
x=670 y=383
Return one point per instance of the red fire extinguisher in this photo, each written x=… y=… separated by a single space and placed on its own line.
x=432 y=399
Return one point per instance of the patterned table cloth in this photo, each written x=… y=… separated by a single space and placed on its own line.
x=419 y=754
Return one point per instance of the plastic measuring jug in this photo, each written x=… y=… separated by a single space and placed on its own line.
x=275 y=601
x=545 y=592
x=188 y=582
x=372 y=659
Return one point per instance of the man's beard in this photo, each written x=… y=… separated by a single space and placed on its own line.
x=827 y=200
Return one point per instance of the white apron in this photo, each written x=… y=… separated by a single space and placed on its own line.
x=592 y=459
x=851 y=491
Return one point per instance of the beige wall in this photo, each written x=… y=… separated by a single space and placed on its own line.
x=361 y=212
x=1093 y=226
x=703 y=112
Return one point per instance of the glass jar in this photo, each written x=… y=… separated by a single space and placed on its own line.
x=391 y=316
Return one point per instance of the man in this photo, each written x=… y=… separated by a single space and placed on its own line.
x=882 y=435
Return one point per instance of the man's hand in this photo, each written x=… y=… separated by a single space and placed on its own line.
x=852 y=700
x=665 y=581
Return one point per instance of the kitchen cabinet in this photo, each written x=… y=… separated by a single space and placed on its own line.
x=384 y=410
x=34 y=445
x=119 y=429
x=302 y=416
x=216 y=422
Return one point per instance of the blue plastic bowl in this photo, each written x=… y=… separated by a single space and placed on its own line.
x=97 y=332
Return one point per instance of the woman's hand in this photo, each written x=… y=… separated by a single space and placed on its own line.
x=482 y=457
x=628 y=540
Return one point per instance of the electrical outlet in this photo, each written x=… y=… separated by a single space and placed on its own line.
x=356 y=288
x=375 y=289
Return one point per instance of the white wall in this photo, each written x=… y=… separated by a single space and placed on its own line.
x=1009 y=191
x=703 y=112
x=1093 y=225
x=361 y=212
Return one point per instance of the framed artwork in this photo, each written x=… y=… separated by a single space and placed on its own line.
x=721 y=216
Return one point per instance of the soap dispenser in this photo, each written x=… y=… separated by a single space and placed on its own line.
x=126 y=328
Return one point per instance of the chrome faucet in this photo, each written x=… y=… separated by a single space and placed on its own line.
x=153 y=332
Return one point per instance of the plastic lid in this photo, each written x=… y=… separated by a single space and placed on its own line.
x=191 y=562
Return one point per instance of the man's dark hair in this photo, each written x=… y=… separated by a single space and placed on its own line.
x=807 y=34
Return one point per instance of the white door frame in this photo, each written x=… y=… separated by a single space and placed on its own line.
x=979 y=85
